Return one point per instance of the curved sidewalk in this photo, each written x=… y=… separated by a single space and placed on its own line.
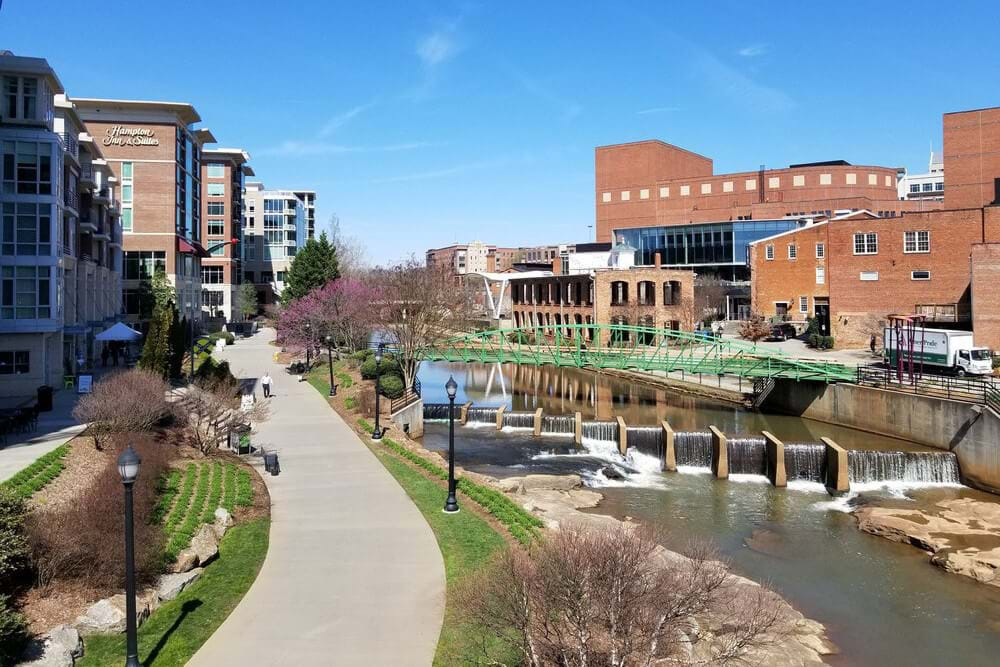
x=353 y=574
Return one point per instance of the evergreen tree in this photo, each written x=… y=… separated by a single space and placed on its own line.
x=314 y=266
x=179 y=342
x=156 y=351
x=247 y=297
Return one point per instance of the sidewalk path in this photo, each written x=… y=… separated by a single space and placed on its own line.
x=54 y=428
x=353 y=574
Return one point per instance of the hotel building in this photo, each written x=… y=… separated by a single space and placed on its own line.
x=275 y=228
x=60 y=237
x=222 y=172
x=154 y=150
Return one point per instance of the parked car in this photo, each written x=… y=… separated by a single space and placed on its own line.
x=781 y=332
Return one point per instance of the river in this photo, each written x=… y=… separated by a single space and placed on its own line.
x=881 y=602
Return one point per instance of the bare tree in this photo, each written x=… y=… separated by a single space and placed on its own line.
x=755 y=328
x=710 y=297
x=613 y=597
x=351 y=256
x=211 y=408
x=418 y=307
x=130 y=401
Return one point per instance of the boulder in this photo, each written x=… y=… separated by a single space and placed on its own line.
x=108 y=616
x=59 y=647
x=533 y=482
x=612 y=473
x=186 y=560
x=170 y=586
x=223 y=520
x=205 y=545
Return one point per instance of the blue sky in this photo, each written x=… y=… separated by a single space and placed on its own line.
x=424 y=123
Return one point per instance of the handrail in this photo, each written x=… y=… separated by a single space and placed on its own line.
x=969 y=389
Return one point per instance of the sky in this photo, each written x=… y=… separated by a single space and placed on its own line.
x=421 y=124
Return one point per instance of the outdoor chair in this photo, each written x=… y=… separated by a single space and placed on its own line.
x=69 y=382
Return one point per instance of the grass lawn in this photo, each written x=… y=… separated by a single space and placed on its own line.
x=466 y=542
x=178 y=629
x=319 y=377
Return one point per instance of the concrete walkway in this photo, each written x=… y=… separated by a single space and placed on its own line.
x=54 y=428
x=353 y=575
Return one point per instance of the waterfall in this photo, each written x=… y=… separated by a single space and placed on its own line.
x=561 y=425
x=519 y=420
x=805 y=461
x=747 y=456
x=646 y=439
x=693 y=449
x=601 y=431
x=438 y=412
x=907 y=467
x=484 y=415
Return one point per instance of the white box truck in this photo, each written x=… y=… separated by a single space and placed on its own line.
x=941 y=349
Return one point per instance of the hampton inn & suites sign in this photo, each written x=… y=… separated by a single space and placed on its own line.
x=119 y=135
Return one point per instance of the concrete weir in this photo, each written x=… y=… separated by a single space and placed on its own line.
x=622 y=436
x=720 y=454
x=775 y=459
x=500 y=417
x=538 y=422
x=837 y=471
x=669 y=455
x=464 y=414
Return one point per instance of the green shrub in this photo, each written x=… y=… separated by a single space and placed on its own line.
x=14 y=550
x=224 y=335
x=214 y=371
x=344 y=380
x=392 y=386
x=365 y=426
x=244 y=489
x=13 y=632
x=389 y=366
x=812 y=326
x=521 y=337
x=229 y=488
x=814 y=340
x=828 y=342
x=36 y=476
x=168 y=487
x=362 y=355
x=350 y=403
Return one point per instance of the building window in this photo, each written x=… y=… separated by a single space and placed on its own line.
x=216 y=189
x=793 y=251
x=820 y=251
x=267 y=276
x=920 y=275
x=626 y=195
x=664 y=192
x=216 y=171
x=939 y=186
x=851 y=179
x=727 y=186
x=251 y=248
x=217 y=250
x=869 y=276
x=27 y=168
x=820 y=275
x=826 y=179
x=914 y=188
x=144 y=264
x=212 y=275
x=248 y=276
x=774 y=182
x=24 y=293
x=251 y=221
x=26 y=229
x=706 y=188
x=14 y=362
x=769 y=252
x=866 y=243
x=928 y=187
x=619 y=293
x=20 y=95
x=872 y=179
x=281 y=276
x=217 y=208
x=644 y=193
x=803 y=304
x=798 y=180
x=750 y=184
x=126 y=219
x=605 y=197
x=216 y=227
x=916 y=242
x=685 y=190
x=213 y=298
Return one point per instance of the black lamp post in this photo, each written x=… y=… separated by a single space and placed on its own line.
x=191 y=335
x=329 y=357
x=128 y=468
x=377 y=433
x=308 y=342
x=451 y=505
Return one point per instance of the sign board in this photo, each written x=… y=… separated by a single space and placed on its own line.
x=121 y=135
x=84 y=384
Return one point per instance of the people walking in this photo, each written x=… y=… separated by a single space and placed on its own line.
x=265 y=382
x=871 y=344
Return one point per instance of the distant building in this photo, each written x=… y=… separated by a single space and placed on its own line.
x=222 y=173
x=927 y=186
x=275 y=228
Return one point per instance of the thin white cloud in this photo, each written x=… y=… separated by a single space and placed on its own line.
x=342 y=119
x=655 y=110
x=569 y=108
x=740 y=89
x=305 y=148
x=458 y=169
x=753 y=50
x=437 y=47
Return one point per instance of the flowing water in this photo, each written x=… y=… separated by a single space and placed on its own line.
x=881 y=602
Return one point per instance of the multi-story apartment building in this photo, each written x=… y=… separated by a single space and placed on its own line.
x=154 y=151
x=274 y=230
x=222 y=173
x=929 y=185
x=308 y=199
x=652 y=185
x=60 y=234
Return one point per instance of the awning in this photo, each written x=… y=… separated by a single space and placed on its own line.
x=120 y=331
x=185 y=247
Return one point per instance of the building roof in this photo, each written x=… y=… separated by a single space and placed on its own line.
x=236 y=155
x=827 y=163
x=184 y=111
x=653 y=141
x=28 y=65
x=789 y=231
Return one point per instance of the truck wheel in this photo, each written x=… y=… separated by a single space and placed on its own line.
x=960 y=372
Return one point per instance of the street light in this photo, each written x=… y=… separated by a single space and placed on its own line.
x=451 y=505
x=377 y=433
x=308 y=342
x=329 y=353
x=128 y=468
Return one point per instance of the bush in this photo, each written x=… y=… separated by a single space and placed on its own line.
x=812 y=326
x=14 y=553
x=81 y=543
x=814 y=340
x=755 y=328
x=224 y=335
x=13 y=632
x=214 y=371
x=131 y=401
x=362 y=355
x=350 y=403
x=828 y=342
x=392 y=386
x=389 y=366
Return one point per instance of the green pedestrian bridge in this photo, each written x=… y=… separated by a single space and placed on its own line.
x=627 y=347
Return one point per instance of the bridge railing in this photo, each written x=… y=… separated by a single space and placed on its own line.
x=970 y=389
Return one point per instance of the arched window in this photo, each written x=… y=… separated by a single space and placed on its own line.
x=647 y=293
x=619 y=293
x=647 y=337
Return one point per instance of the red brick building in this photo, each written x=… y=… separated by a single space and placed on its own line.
x=972 y=158
x=652 y=183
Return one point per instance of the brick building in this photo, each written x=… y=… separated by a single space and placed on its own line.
x=222 y=172
x=972 y=158
x=652 y=184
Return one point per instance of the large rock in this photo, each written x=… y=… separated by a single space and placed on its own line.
x=59 y=647
x=223 y=520
x=186 y=560
x=205 y=545
x=962 y=535
x=533 y=482
x=108 y=616
x=170 y=586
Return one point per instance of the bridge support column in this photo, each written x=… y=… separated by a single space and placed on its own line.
x=622 y=436
x=538 y=422
x=500 y=416
x=775 y=459
x=578 y=429
x=837 y=479
x=669 y=462
x=720 y=455
x=464 y=413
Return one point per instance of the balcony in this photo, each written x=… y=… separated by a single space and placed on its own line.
x=88 y=222
x=87 y=176
x=70 y=145
x=71 y=201
x=103 y=196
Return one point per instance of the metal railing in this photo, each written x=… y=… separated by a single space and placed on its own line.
x=970 y=389
x=70 y=199
x=70 y=143
x=411 y=395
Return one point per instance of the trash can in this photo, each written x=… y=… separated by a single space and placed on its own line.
x=45 y=398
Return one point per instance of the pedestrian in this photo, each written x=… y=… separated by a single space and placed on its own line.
x=871 y=344
x=265 y=382
x=105 y=352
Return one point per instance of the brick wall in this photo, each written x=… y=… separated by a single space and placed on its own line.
x=971 y=157
x=985 y=294
x=783 y=279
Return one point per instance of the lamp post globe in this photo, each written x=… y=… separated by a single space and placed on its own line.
x=377 y=433
x=128 y=468
x=451 y=504
x=329 y=357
